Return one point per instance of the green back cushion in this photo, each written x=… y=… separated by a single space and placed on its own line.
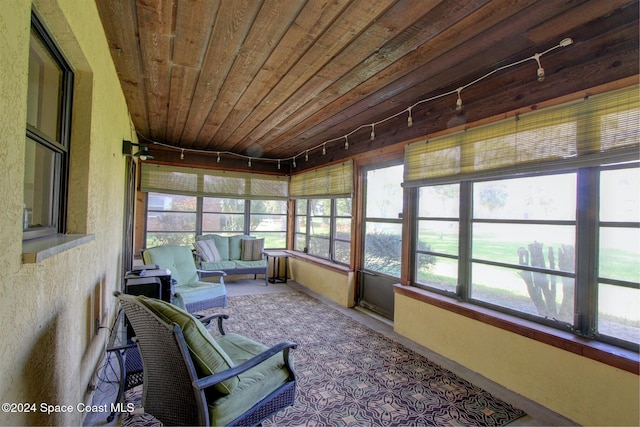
x=222 y=244
x=235 y=246
x=208 y=356
x=178 y=259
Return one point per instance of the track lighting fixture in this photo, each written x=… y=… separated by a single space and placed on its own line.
x=142 y=153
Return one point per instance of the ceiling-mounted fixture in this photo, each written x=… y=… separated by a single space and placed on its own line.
x=142 y=153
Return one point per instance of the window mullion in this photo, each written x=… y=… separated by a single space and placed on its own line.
x=247 y=217
x=199 y=215
x=332 y=229
x=308 y=225
x=585 y=318
x=464 y=243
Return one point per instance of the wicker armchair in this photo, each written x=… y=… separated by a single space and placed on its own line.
x=190 y=292
x=250 y=383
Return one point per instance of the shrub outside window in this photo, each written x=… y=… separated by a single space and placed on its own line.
x=171 y=219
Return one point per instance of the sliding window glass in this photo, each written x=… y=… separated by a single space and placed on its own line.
x=47 y=137
x=342 y=230
x=268 y=220
x=178 y=219
x=223 y=216
x=523 y=245
x=619 y=255
x=323 y=228
x=436 y=262
x=301 y=232
x=171 y=219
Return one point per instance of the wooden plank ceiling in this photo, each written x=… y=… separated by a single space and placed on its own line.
x=272 y=79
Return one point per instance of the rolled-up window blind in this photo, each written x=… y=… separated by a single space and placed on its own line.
x=212 y=183
x=579 y=131
x=329 y=181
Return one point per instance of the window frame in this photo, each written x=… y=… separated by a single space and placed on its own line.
x=587 y=227
x=333 y=234
x=200 y=211
x=61 y=148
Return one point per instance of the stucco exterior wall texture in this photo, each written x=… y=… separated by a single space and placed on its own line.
x=50 y=345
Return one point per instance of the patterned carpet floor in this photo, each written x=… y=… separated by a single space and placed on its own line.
x=350 y=375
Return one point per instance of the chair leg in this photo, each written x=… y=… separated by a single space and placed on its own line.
x=123 y=376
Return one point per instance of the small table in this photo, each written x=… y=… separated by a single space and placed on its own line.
x=275 y=273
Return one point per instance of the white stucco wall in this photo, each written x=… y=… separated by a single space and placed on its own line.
x=49 y=347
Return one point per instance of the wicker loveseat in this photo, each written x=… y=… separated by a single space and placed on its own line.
x=238 y=254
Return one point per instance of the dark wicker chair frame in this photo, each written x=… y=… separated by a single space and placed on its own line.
x=131 y=370
x=172 y=391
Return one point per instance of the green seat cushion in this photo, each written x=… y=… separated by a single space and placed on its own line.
x=199 y=291
x=219 y=265
x=208 y=355
x=254 y=385
x=251 y=264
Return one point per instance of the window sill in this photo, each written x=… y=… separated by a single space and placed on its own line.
x=37 y=250
x=338 y=268
x=617 y=357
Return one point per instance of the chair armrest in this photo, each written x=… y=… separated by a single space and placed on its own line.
x=212 y=272
x=206 y=320
x=122 y=347
x=211 y=380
